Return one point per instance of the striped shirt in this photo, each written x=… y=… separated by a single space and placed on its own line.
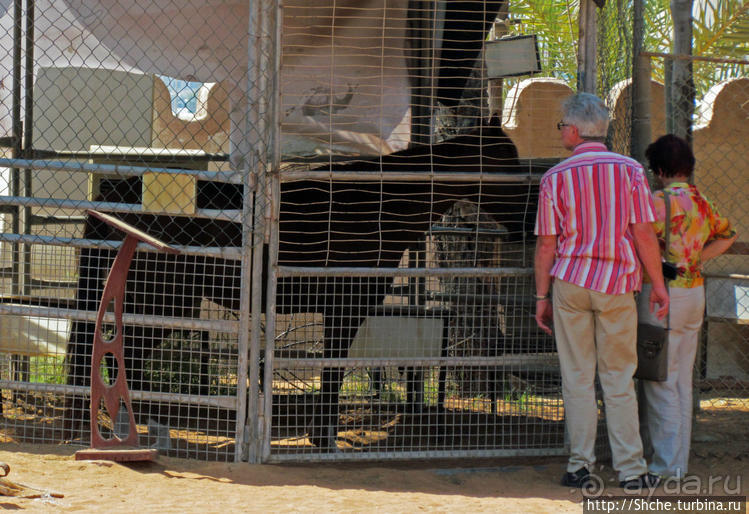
x=589 y=202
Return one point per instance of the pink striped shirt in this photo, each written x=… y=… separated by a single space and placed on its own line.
x=589 y=201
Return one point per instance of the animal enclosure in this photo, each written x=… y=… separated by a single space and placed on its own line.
x=352 y=189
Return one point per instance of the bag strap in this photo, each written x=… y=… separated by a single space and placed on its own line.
x=667 y=229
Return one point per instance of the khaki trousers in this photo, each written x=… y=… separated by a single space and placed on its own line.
x=592 y=330
x=668 y=405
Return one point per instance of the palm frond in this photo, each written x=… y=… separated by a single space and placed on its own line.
x=721 y=28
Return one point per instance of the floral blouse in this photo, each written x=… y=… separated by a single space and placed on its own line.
x=694 y=222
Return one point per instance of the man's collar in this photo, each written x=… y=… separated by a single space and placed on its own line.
x=589 y=146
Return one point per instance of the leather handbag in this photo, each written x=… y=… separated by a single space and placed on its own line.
x=652 y=340
x=652 y=352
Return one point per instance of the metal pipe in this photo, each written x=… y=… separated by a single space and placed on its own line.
x=29 y=78
x=246 y=429
x=168 y=155
x=739 y=276
x=222 y=252
x=225 y=402
x=16 y=129
x=482 y=299
x=27 y=138
x=439 y=229
x=16 y=124
x=717 y=60
x=119 y=169
x=61 y=203
x=58 y=220
x=258 y=231
x=540 y=361
x=406 y=176
x=314 y=454
x=299 y=271
x=223 y=326
x=286 y=176
x=274 y=132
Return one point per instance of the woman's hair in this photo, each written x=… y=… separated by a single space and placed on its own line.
x=588 y=113
x=670 y=156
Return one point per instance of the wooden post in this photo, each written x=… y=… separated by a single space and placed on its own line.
x=640 y=135
x=587 y=47
x=682 y=82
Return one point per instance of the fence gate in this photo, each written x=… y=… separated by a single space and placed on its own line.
x=352 y=222
x=92 y=119
x=352 y=185
x=402 y=288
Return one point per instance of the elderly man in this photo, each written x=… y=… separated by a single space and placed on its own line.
x=593 y=222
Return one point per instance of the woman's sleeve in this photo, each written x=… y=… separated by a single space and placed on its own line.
x=660 y=214
x=720 y=227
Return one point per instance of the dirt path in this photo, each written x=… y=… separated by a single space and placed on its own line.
x=721 y=449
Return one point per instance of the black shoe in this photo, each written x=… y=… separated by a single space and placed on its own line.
x=645 y=481
x=576 y=479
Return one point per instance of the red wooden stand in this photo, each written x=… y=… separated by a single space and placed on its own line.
x=116 y=394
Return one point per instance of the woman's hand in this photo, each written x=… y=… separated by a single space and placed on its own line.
x=716 y=247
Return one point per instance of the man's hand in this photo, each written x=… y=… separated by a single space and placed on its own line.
x=546 y=247
x=659 y=296
x=647 y=248
x=544 y=315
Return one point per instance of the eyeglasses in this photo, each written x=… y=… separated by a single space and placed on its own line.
x=563 y=124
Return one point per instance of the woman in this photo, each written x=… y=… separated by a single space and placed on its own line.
x=698 y=234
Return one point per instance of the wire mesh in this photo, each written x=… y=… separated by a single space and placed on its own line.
x=88 y=123
x=352 y=188
x=417 y=379
x=720 y=119
x=718 y=136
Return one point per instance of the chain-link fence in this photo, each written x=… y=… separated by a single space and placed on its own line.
x=89 y=125
x=351 y=190
x=719 y=140
x=295 y=200
x=711 y=112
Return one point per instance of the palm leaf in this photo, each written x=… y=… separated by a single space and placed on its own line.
x=721 y=29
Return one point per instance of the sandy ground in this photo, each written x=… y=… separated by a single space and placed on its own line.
x=721 y=449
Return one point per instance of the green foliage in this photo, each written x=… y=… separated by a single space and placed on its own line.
x=614 y=43
x=47 y=369
x=720 y=29
x=356 y=383
x=555 y=24
x=177 y=366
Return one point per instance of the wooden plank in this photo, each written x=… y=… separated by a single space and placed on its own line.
x=132 y=231
x=118 y=454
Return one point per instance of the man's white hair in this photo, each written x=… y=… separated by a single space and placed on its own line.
x=588 y=113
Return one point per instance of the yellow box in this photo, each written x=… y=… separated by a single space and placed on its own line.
x=169 y=193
